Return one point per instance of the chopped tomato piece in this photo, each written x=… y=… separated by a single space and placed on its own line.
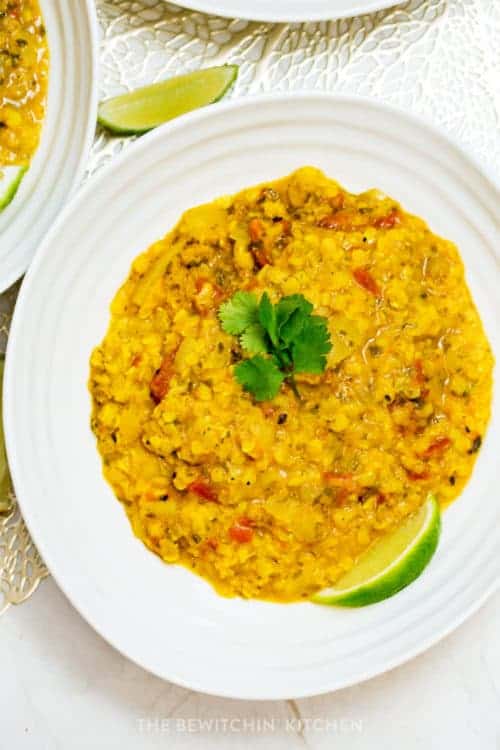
x=419 y=369
x=203 y=490
x=257 y=244
x=338 y=201
x=259 y=255
x=344 y=482
x=340 y=220
x=389 y=221
x=207 y=295
x=342 y=494
x=242 y=530
x=438 y=446
x=268 y=411
x=366 y=280
x=328 y=222
x=255 y=230
x=337 y=478
x=158 y=387
x=200 y=283
x=416 y=476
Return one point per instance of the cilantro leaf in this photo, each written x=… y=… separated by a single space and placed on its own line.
x=309 y=350
x=239 y=312
x=293 y=327
x=267 y=317
x=261 y=377
x=255 y=340
x=287 y=306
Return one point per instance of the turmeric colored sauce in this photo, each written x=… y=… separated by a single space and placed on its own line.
x=23 y=80
x=275 y=500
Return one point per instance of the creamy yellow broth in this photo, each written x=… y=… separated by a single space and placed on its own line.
x=23 y=80
x=276 y=500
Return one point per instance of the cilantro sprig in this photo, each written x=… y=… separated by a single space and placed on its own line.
x=292 y=339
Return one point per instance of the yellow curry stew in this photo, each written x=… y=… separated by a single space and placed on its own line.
x=277 y=499
x=23 y=80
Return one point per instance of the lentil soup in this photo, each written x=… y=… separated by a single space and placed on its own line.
x=277 y=499
x=23 y=80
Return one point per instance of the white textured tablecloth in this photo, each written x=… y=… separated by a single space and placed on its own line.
x=61 y=686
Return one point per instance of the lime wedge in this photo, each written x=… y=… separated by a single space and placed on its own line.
x=5 y=485
x=391 y=563
x=145 y=108
x=10 y=179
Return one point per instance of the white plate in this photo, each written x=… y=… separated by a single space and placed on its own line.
x=288 y=10
x=163 y=617
x=66 y=136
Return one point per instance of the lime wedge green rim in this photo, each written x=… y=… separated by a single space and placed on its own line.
x=145 y=108
x=405 y=569
x=9 y=194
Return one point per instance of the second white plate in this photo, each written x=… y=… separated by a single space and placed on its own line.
x=288 y=11
x=67 y=134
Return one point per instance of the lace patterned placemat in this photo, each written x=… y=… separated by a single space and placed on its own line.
x=439 y=58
